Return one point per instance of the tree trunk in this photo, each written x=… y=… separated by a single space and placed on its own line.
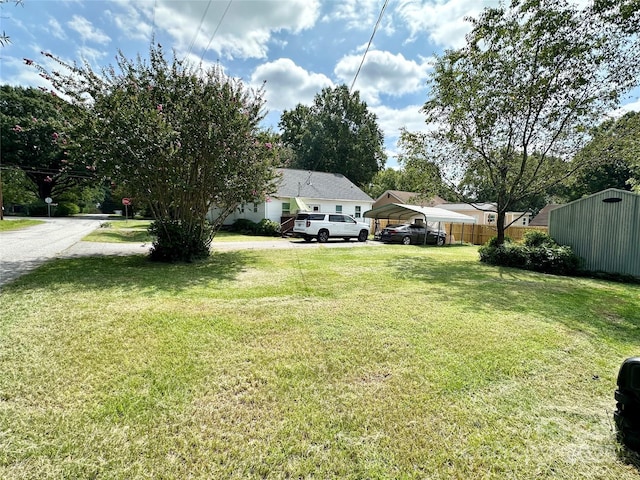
x=500 y=218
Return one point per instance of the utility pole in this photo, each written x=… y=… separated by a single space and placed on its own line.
x=1 y=202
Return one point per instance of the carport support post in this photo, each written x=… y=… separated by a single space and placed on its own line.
x=426 y=230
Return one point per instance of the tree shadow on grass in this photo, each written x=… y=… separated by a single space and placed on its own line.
x=479 y=287
x=135 y=273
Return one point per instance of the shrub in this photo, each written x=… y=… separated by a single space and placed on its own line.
x=245 y=226
x=268 y=228
x=493 y=241
x=64 y=209
x=37 y=209
x=536 y=238
x=176 y=242
x=539 y=253
x=556 y=259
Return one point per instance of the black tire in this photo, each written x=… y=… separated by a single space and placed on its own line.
x=631 y=439
x=440 y=241
x=622 y=397
x=406 y=240
x=307 y=238
x=323 y=236
x=346 y=239
x=363 y=235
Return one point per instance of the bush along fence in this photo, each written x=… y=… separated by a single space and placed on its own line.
x=538 y=252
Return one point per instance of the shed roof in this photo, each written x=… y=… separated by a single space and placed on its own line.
x=318 y=185
x=397 y=211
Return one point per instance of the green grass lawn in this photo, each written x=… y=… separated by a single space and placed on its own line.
x=386 y=362
x=121 y=231
x=18 y=224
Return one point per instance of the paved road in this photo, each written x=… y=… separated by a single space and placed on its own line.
x=25 y=249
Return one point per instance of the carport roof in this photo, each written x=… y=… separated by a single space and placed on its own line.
x=398 y=211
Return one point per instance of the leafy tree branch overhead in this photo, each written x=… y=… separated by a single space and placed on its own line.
x=615 y=152
x=5 y=39
x=519 y=100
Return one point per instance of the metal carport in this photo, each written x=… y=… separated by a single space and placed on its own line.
x=399 y=211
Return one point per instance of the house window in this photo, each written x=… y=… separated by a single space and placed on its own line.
x=524 y=221
x=358 y=211
x=241 y=208
x=286 y=208
x=255 y=207
x=491 y=218
x=338 y=208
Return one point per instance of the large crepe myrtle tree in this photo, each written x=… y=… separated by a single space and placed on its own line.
x=177 y=137
x=518 y=101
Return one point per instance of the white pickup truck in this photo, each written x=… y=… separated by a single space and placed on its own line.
x=324 y=226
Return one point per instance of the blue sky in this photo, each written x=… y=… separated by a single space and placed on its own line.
x=297 y=46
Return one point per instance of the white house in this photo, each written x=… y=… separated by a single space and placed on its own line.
x=305 y=190
x=485 y=213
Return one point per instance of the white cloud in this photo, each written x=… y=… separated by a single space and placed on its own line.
x=288 y=84
x=441 y=20
x=91 y=55
x=391 y=120
x=244 y=32
x=130 y=20
x=358 y=14
x=87 y=31
x=382 y=73
x=624 y=109
x=633 y=106
x=55 y=29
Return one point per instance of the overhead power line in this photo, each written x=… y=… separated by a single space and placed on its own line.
x=216 y=30
x=195 y=36
x=375 y=29
x=153 y=20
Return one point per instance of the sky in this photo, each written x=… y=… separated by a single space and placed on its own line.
x=295 y=48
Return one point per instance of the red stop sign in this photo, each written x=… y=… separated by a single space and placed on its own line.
x=126 y=201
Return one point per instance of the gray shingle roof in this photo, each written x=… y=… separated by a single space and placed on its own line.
x=318 y=185
x=542 y=218
x=412 y=198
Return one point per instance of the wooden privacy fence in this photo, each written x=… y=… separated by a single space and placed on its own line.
x=480 y=234
x=474 y=234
